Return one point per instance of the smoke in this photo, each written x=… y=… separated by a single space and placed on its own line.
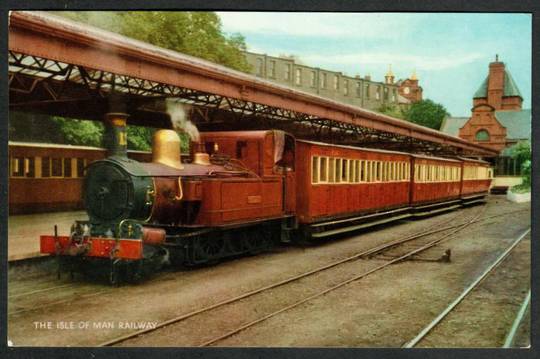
x=180 y=120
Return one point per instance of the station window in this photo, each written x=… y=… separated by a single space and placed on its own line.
x=323 y=80
x=378 y=93
x=358 y=89
x=482 y=135
x=366 y=92
x=312 y=79
x=336 y=82
x=259 y=67
x=272 y=65
x=346 y=87
x=298 y=77
x=385 y=92
x=287 y=74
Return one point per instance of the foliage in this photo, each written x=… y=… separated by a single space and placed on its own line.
x=30 y=127
x=139 y=138
x=391 y=110
x=80 y=132
x=426 y=113
x=195 y=33
x=521 y=152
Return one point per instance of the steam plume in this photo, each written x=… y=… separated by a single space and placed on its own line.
x=180 y=120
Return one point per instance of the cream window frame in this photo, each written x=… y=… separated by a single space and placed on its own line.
x=345 y=166
x=315 y=169
x=331 y=170
x=325 y=166
x=337 y=170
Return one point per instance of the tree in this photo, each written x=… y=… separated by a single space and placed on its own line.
x=391 y=110
x=79 y=132
x=195 y=33
x=521 y=152
x=426 y=113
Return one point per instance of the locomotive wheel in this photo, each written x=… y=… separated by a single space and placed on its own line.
x=209 y=249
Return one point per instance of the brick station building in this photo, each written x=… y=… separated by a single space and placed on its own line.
x=497 y=119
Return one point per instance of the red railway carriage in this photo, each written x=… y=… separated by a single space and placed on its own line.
x=337 y=182
x=476 y=178
x=434 y=179
x=37 y=170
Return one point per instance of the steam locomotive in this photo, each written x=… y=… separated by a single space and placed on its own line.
x=244 y=192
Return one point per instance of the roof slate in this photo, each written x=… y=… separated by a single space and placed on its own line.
x=451 y=125
x=517 y=123
x=510 y=87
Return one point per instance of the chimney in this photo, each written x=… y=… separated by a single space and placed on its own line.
x=115 y=137
x=495 y=88
x=367 y=77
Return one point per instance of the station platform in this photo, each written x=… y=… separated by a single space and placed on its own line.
x=24 y=231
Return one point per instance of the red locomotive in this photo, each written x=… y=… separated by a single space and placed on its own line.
x=243 y=192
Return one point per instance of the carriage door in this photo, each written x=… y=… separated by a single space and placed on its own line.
x=284 y=158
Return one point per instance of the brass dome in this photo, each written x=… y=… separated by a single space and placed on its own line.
x=166 y=148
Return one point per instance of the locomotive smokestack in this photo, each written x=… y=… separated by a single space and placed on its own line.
x=115 y=139
x=166 y=148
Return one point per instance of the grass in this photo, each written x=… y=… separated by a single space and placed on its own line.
x=521 y=188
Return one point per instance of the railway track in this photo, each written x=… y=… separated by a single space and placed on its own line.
x=83 y=286
x=452 y=228
x=435 y=322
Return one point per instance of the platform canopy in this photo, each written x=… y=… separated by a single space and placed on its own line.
x=65 y=68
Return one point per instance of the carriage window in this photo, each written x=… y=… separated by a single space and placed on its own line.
x=46 y=167
x=80 y=167
x=314 y=169
x=344 y=170
x=384 y=174
x=67 y=167
x=17 y=168
x=358 y=170
x=378 y=171
x=407 y=171
x=323 y=177
x=332 y=170
x=56 y=167
x=352 y=170
x=393 y=172
x=338 y=170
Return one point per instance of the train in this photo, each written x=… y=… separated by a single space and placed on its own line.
x=38 y=169
x=244 y=192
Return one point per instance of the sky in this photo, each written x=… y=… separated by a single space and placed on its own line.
x=450 y=52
